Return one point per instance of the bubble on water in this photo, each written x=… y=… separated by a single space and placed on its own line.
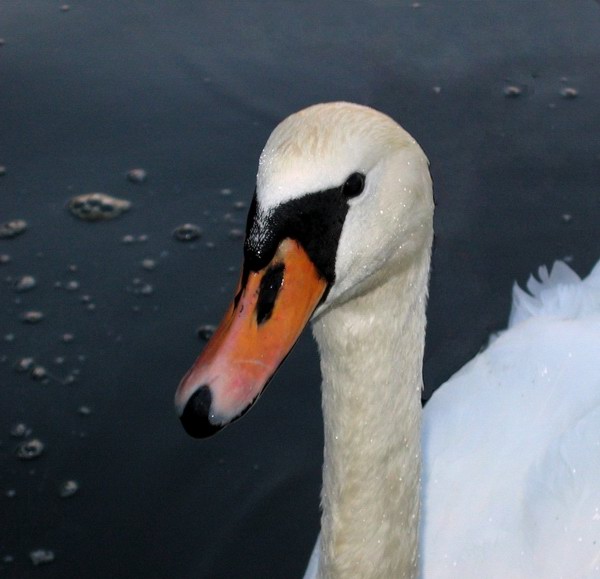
x=187 y=232
x=90 y=307
x=97 y=206
x=566 y=217
x=127 y=239
x=85 y=298
x=39 y=373
x=72 y=267
x=512 y=91
x=24 y=364
x=210 y=244
x=30 y=449
x=25 y=283
x=149 y=264
x=10 y=493
x=569 y=92
x=59 y=360
x=11 y=229
x=137 y=175
x=142 y=238
x=240 y=205
x=67 y=338
x=140 y=288
x=19 y=430
x=65 y=7
x=9 y=337
x=84 y=410
x=41 y=556
x=32 y=317
x=236 y=233
x=68 y=488
x=437 y=89
x=4 y=258
x=226 y=191
x=205 y=332
x=2 y=167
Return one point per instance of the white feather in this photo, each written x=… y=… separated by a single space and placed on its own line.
x=511 y=444
x=558 y=293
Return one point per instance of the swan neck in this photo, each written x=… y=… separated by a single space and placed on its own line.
x=371 y=352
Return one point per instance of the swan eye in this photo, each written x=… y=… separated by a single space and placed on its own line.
x=354 y=185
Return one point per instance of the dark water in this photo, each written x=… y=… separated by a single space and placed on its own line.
x=189 y=91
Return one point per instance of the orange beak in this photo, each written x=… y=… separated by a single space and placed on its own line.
x=259 y=329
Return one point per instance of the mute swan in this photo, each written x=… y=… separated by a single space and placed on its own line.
x=339 y=233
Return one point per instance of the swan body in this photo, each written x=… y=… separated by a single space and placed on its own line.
x=339 y=233
x=511 y=444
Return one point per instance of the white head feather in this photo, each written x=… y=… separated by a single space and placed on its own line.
x=317 y=149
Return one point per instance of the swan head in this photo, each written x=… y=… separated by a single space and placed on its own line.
x=343 y=201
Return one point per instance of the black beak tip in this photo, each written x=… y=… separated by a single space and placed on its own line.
x=195 y=416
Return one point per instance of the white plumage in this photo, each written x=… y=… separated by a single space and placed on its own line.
x=511 y=444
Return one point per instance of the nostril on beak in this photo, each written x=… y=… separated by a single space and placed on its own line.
x=195 y=417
